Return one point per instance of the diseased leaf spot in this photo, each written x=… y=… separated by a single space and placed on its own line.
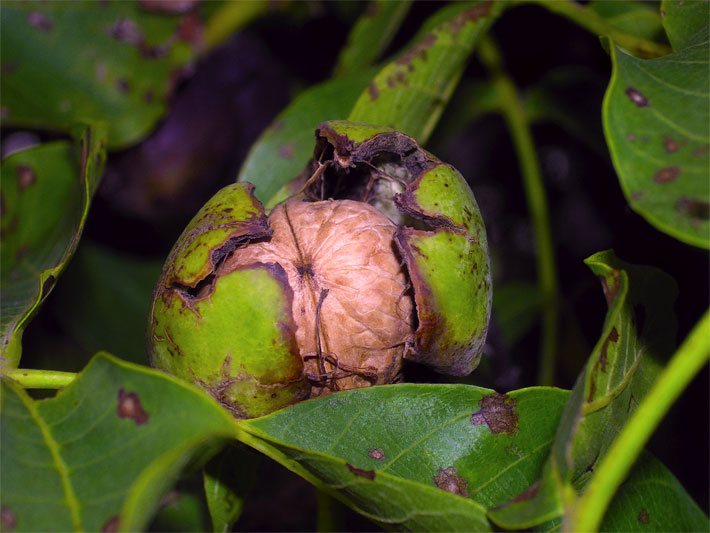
x=418 y=51
x=39 y=21
x=373 y=91
x=8 y=521
x=112 y=525
x=701 y=151
x=286 y=151
x=666 y=175
x=636 y=97
x=643 y=517
x=498 y=413
x=670 y=144
x=125 y=31
x=377 y=454
x=471 y=15
x=123 y=85
x=129 y=406
x=610 y=286
x=697 y=209
x=527 y=494
x=25 y=177
x=448 y=479
x=367 y=474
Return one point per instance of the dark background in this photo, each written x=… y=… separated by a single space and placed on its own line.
x=150 y=191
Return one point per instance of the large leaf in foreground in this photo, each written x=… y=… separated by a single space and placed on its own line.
x=46 y=193
x=102 y=452
x=657 y=124
x=385 y=450
x=410 y=93
x=619 y=372
x=652 y=499
x=283 y=150
x=66 y=62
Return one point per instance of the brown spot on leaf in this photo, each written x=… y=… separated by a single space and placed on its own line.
x=603 y=357
x=418 y=51
x=367 y=474
x=191 y=30
x=123 y=85
x=697 y=209
x=636 y=195
x=666 y=175
x=448 y=479
x=527 y=494
x=643 y=517
x=636 y=97
x=376 y=453
x=471 y=15
x=701 y=151
x=498 y=413
x=39 y=21
x=129 y=406
x=8 y=521
x=126 y=31
x=373 y=91
x=610 y=286
x=631 y=137
x=25 y=177
x=112 y=525
x=286 y=151
x=670 y=144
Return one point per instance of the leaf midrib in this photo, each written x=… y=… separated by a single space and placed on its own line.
x=62 y=469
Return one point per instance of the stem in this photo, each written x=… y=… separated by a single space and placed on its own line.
x=513 y=110
x=40 y=379
x=693 y=354
x=590 y=20
x=231 y=17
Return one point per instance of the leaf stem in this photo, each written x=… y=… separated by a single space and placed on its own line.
x=693 y=354
x=590 y=20
x=40 y=379
x=513 y=110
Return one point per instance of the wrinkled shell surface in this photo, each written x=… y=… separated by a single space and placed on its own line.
x=351 y=301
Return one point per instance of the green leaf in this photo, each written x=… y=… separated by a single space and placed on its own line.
x=656 y=117
x=102 y=452
x=410 y=93
x=371 y=34
x=180 y=511
x=635 y=17
x=384 y=450
x=103 y=301
x=618 y=374
x=228 y=478
x=283 y=150
x=652 y=499
x=46 y=193
x=683 y=20
x=68 y=62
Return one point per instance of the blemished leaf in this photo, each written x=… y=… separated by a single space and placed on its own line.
x=635 y=17
x=638 y=334
x=387 y=451
x=227 y=479
x=66 y=62
x=410 y=93
x=683 y=20
x=283 y=150
x=102 y=453
x=371 y=35
x=46 y=192
x=656 y=117
x=652 y=499
x=103 y=301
